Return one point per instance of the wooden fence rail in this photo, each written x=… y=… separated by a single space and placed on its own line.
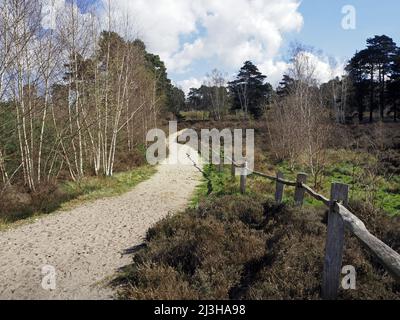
x=340 y=218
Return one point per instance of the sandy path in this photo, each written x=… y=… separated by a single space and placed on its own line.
x=86 y=245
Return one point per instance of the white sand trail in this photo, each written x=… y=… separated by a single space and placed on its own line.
x=86 y=245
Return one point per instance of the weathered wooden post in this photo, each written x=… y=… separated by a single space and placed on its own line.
x=300 y=191
x=280 y=187
x=243 y=178
x=221 y=163
x=233 y=167
x=334 y=243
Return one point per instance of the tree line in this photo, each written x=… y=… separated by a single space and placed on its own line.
x=370 y=83
x=301 y=115
x=374 y=74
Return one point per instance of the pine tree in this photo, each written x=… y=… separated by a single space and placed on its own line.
x=358 y=75
x=285 y=86
x=381 y=51
x=394 y=87
x=249 y=91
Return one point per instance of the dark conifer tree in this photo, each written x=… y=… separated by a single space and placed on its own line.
x=249 y=91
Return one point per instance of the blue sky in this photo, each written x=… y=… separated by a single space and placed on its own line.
x=322 y=24
x=195 y=36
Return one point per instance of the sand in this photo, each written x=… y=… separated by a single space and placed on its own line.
x=87 y=245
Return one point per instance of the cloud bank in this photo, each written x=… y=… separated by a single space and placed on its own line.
x=229 y=31
x=225 y=31
x=187 y=34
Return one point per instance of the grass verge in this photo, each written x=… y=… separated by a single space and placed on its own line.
x=72 y=194
x=358 y=170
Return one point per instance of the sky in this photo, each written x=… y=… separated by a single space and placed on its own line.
x=195 y=36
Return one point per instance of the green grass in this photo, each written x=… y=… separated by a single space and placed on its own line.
x=195 y=115
x=344 y=167
x=72 y=194
x=93 y=188
x=351 y=168
x=215 y=183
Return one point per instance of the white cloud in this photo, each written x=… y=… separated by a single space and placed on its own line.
x=192 y=82
x=230 y=31
x=325 y=69
x=274 y=70
x=226 y=32
x=50 y=9
x=322 y=67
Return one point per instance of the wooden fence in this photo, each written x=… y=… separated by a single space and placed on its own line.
x=339 y=219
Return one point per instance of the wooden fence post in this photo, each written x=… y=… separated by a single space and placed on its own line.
x=280 y=187
x=243 y=178
x=233 y=167
x=221 y=162
x=334 y=244
x=300 y=192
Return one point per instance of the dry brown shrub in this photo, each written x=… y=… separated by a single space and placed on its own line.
x=244 y=247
